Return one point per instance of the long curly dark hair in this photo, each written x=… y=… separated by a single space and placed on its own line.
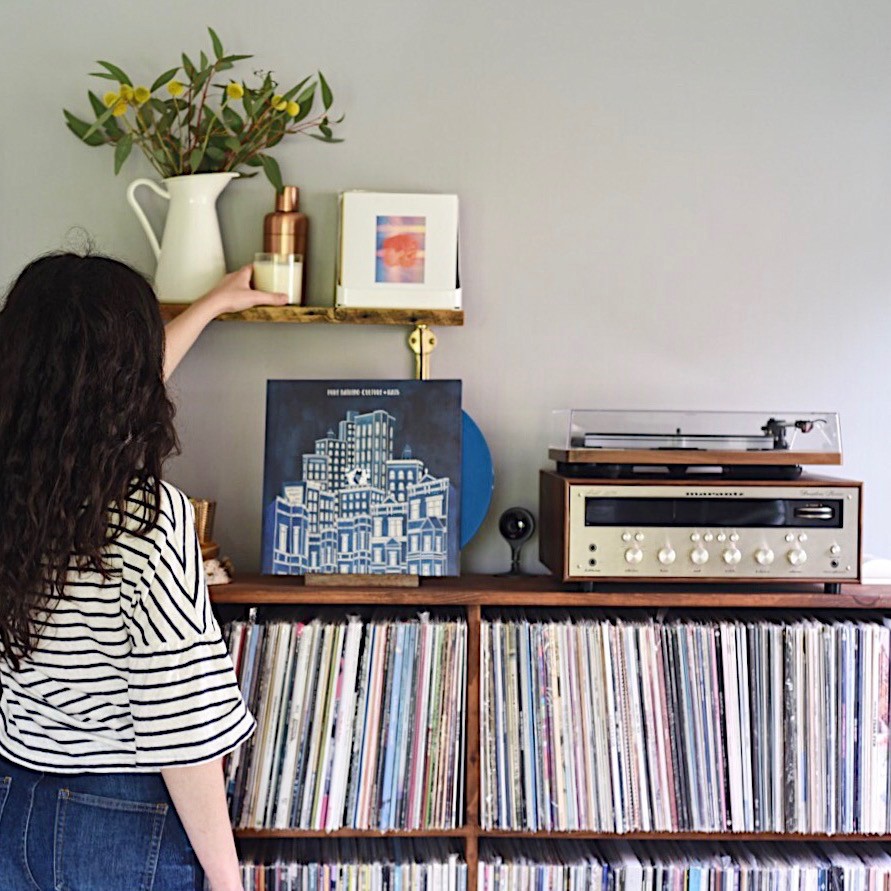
x=85 y=422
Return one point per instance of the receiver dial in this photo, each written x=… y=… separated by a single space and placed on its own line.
x=732 y=556
x=633 y=555
x=764 y=556
x=699 y=555
x=796 y=556
x=666 y=556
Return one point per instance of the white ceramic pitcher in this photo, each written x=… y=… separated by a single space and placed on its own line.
x=190 y=254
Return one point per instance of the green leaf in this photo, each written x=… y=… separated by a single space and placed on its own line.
x=327 y=95
x=323 y=138
x=232 y=144
x=119 y=75
x=248 y=103
x=203 y=60
x=164 y=79
x=112 y=130
x=121 y=151
x=104 y=74
x=81 y=129
x=294 y=90
x=232 y=119
x=305 y=98
x=305 y=109
x=98 y=122
x=145 y=114
x=254 y=162
x=326 y=130
x=195 y=159
x=215 y=153
x=217 y=44
x=98 y=105
x=272 y=171
x=188 y=67
x=199 y=81
x=235 y=58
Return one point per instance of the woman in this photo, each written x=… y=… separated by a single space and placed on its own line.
x=117 y=696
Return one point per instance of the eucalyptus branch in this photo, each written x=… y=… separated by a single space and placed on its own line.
x=182 y=124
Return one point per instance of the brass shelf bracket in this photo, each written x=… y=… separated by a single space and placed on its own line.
x=422 y=342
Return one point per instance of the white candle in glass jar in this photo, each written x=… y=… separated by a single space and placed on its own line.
x=279 y=273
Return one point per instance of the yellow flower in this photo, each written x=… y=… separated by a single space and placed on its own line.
x=141 y=95
x=126 y=92
x=110 y=98
x=120 y=108
x=293 y=109
x=279 y=103
x=234 y=90
x=175 y=88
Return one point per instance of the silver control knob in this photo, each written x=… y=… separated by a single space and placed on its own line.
x=666 y=555
x=699 y=556
x=732 y=556
x=633 y=555
x=796 y=556
x=834 y=550
x=764 y=556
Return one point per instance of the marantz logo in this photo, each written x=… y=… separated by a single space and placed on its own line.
x=694 y=493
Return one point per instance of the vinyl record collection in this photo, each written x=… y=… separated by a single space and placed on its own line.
x=600 y=723
x=351 y=865
x=679 y=866
x=359 y=724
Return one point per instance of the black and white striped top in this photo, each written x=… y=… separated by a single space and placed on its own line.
x=130 y=672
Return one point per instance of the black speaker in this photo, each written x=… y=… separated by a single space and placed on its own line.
x=516 y=526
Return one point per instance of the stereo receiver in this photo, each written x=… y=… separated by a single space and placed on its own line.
x=671 y=529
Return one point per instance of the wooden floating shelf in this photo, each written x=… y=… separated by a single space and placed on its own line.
x=331 y=315
x=583 y=834
x=532 y=591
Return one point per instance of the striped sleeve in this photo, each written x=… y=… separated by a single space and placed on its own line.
x=184 y=697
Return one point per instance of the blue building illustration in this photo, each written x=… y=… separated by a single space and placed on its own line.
x=359 y=509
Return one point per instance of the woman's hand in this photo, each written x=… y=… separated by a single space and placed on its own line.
x=234 y=293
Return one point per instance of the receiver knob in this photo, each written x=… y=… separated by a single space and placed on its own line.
x=666 y=555
x=796 y=556
x=732 y=556
x=699 y=555
x=633 y=555
x=764 y=556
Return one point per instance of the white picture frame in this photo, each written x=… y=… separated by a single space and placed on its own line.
x=398 y=251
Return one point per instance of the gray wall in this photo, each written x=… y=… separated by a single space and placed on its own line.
x=664 y=205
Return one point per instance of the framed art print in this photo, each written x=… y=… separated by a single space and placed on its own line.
x=362 y=477
x=398 y=251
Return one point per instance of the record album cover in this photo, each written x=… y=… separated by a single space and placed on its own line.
x=362 y=477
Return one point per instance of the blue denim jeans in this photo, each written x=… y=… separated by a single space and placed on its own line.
x=91 y=832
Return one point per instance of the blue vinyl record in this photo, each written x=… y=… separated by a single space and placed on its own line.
x=477 y=478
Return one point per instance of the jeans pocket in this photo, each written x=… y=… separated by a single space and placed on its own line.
x=106 y=844
x=5 y=783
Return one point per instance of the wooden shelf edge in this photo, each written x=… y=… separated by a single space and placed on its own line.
x=331 y=315
x=461 y=832
x=544 y=591
x=582 y=834
x=684 y=836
